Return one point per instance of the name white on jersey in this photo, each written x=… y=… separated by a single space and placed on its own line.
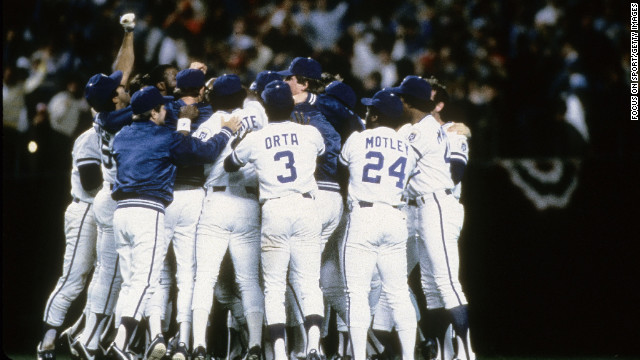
x=253 y=118
x=380 y=161
x=284 y=155
x=86 y=150
x=433 y=172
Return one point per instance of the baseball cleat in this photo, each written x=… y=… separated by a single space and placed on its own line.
x=313 y=355
x=49 y=354
x=157 y=349
x=255 y=353
x=200 y=353
x=180 y=352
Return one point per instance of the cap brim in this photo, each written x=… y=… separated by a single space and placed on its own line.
x=396 y=90
x=117 y=77
x=285 y=73
x=367 y=101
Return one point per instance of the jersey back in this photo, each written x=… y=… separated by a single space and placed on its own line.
x=253 y=118
x=380 y=161
x=432 y=170
x=284 y=155
x=86 y=150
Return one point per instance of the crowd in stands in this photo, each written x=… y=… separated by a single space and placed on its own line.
x=534 y=78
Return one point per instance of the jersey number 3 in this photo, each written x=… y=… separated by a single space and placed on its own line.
x=395 y=170
x=288 y=155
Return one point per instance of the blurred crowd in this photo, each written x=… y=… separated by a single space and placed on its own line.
x=534 y=78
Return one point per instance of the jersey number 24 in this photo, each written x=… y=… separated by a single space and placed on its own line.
x=395 y=170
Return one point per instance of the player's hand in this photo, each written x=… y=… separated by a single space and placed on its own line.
x=128 y=22
x=300 y=119
x=189 y=111
x=460 y=129
x=198 y=66
x=237 y=140
x=232 y=123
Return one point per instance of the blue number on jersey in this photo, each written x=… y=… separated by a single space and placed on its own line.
x=106 y=146
x=395 y=170
x=288 y=165
x=377 y=166
x=401 y=163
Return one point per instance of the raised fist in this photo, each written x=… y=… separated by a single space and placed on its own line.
x=128 y=21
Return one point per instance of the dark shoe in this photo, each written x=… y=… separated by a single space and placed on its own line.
x=429 y=349
x=313 y=355
x=255 y=353
x=200 y=353
x=45 y=354
x=180 y=352
x=157 y=349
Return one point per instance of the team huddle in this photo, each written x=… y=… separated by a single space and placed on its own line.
x=275 y=205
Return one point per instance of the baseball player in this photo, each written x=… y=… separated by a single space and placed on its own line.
x=230 y=219
x=438 y=214
x=181 y=217
x=144 y=188
x=80 y=233
x=304 y=77
x=380 y=162
x=337 y=104
x=108 y=97
x=284 y=155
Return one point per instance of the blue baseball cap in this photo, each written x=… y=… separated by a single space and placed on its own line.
x=343 y=92
x=386 y=102
x=414 y=86
x=190 y=78
x=263 y=78
x=226 y=84
x=306 y=67
x=277 y=95
x=148 y=98
x=99 y=90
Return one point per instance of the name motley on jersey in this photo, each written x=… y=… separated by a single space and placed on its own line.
x=385 y=142
x=281 y=140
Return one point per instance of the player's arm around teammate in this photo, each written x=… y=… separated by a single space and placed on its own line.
x=380 y=162
x=143 y=190
x=230 y=219
x=284 y=154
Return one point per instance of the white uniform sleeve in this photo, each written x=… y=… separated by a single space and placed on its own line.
x=459 y=147
x=242 y=154
x=346 y=149
x=317 y=139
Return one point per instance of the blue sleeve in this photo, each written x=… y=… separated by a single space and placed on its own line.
x=187 y=150
x=113 y=121
x=457 y=170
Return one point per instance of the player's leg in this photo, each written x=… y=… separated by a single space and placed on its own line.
x=107 y=280
x=440 y=264
x=142 y=230
x=244 y=249
x=183 y=241
x=306 y=251
x=212 y=241
x=79 y=258
x=393 y=273
x=275 y=256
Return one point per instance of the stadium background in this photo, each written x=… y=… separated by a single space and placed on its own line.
x=550 y=244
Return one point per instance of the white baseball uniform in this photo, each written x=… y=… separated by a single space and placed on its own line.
x=380 y=162
x=106 y=282
x=284 y=155
x=80 y=233
x=230 y=219
x=439 y=215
